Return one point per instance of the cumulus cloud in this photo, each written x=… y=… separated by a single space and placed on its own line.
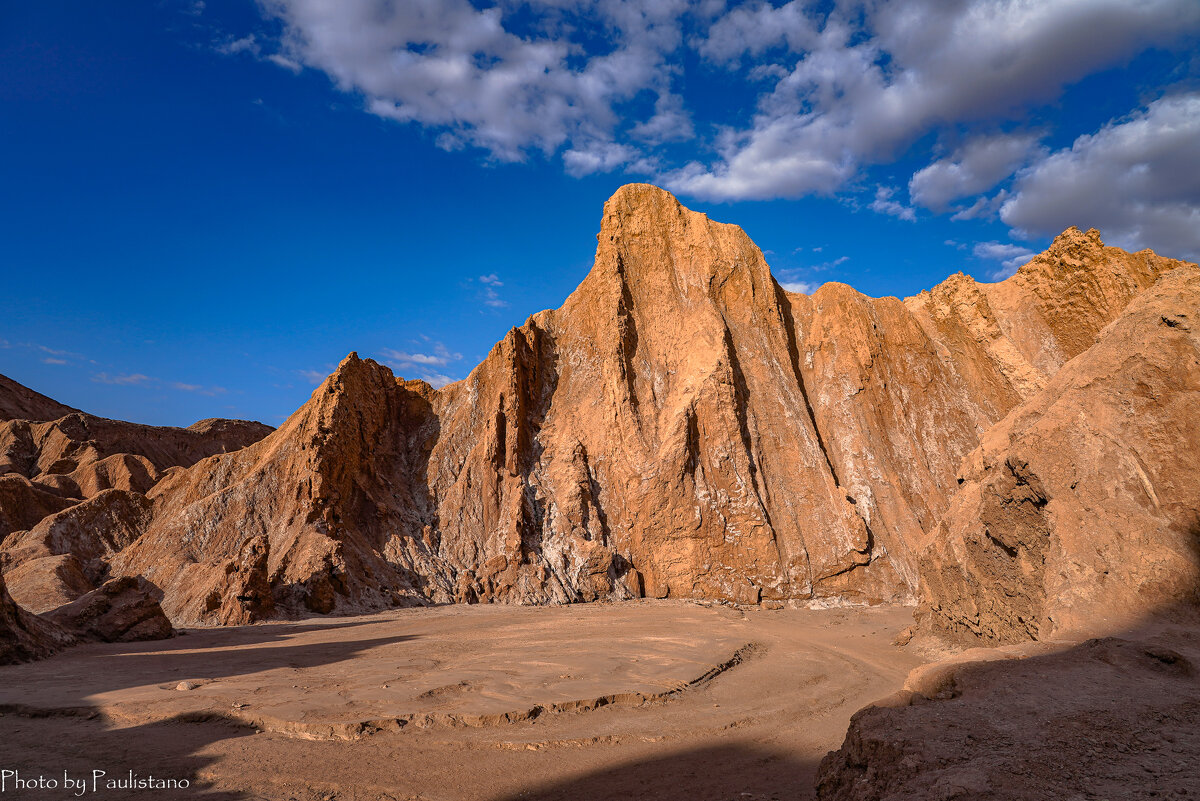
x=449 y=65
x=975 y=167
x=1010 y=256
x=983 y=208
x=603 y=84
x=1136 y=179
x=755 y=28
x=885 y=204
x=878 y=76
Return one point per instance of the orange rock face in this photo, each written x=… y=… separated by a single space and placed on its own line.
x=680 y=427
x=1082 y=503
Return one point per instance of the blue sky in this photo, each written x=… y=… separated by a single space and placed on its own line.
x=208 y=204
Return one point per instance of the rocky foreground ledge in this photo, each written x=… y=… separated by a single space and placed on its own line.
x=1114 y=717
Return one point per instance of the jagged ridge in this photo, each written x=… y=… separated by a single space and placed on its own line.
x=681 y=426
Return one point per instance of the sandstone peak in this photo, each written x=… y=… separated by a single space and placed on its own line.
x=1072 y=237
x=638 y=198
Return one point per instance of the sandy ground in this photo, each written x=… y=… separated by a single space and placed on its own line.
x=657 y=700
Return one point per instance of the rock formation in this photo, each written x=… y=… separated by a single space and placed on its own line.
x=1083 y=503
x=24 y=636
x=1117 y=717
x=22 y=403
x=72 y=489
x=680 y=427
x=120 y=610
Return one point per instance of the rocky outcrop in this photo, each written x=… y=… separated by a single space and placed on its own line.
x=22 y=403
x=24 y=636
x=1079 y=511
x=1117 y=717
x=72 y=489
x=23 y=504
x=67 y=553
x=121 y=610
x=322 y=510
x=79 y=455
x=680 y=427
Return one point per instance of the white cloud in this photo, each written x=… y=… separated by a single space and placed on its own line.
x=199 y=389
x=493 y=299
x=280 y=60
x=437 y=380
x=601 y=83
x=400 y=357
x=975 y=167
x=884 y=204
x=451 y=66
x=1010 y=256
x=794 y=279
x=421 y=364
x=312 y=376
x=755 y=28
x=244 y=44
x=134 y=379
x=52 y=360
x=1136 y=179
x=593 y=157
x=670 y=123
x=862 y=91
x=983 y=208
x=491 y=279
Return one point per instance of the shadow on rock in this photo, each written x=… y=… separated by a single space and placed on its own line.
x=1112 y=717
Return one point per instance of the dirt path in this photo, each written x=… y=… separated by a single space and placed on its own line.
x=638 y=700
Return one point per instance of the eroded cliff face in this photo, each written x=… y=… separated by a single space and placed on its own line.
x=72 y=489
x=1082 y=504
x=680 y=427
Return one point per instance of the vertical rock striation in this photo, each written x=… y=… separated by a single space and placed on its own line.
x=680 y=427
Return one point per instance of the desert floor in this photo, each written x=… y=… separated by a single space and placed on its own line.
x=655 y=700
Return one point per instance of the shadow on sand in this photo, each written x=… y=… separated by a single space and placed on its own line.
x=728 y=772
x=74 y=737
